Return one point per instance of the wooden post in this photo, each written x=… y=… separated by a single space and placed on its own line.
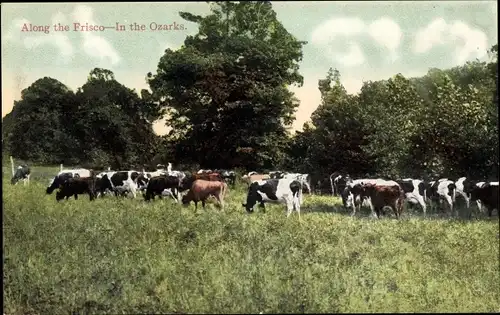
x=12 y=165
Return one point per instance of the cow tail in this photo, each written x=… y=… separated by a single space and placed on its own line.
x=331 y=183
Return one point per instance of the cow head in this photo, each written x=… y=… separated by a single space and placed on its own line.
x=59 y=195
x=186 y=200
x=253 y=197
x=347 y=197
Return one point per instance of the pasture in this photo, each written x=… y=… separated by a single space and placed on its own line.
x=117 y=255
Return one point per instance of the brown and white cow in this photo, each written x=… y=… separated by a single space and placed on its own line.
x=202 y=189
x=385 y=194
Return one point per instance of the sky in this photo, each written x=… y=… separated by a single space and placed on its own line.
x=364 y=40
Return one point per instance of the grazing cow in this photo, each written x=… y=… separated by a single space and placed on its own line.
x=442 y=190
x=188 y=181
x=415 y=191
x=157 y=185
x=255 y=177
x=64 y=175
x=77 y=186
x=488 y=195
x=385 y=195
x=202 y=189
x=22 y=173
x=121 y=182
x=284 y=190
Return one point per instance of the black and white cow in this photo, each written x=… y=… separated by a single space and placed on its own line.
x=285 y=190
x=121 y=182
x=442 y=190
x=64 y=175
x=23 y=172
x=487 y=194
x=157 y=185
x=415 y=191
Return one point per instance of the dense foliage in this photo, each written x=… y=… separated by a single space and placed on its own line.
x=226 y=98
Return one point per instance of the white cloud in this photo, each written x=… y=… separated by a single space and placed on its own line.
x=386 y=33
x=439 y=32
x=355 y=56
x=429 y=36
x=59 y=40
x=329 y=30
x=94 y=45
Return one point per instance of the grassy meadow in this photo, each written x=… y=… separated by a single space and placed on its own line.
x=117 y=255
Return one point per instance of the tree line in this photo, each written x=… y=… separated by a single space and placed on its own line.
x=225 y=95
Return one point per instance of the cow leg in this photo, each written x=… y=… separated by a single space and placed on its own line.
x=133 y=191
x=203 y=203
x=195 y=206
x=450 y=204
x=479 y=206
x=422 y=204
x=76 y=196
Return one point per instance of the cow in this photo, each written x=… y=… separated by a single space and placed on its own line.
x=384 y=194
x=488 y=195
x=75 y=186
x=121 y=182
x=415 y=192
x=23 y=172
x=254 y=177
x=351 y=194
x=442 y=190
x=353 y=197
x=157 y=185
x=64 y=175
x=284 y=190
x=202 y=189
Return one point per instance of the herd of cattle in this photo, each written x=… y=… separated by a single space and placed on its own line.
x=275 y=187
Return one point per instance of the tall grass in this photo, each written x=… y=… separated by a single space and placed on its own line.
x=117 y=255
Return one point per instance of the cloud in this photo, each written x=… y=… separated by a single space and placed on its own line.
x=58 y=40
x=384 y=31
x=94 y=45
x=439 y=32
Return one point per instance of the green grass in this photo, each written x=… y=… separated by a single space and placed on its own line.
x=125 y=256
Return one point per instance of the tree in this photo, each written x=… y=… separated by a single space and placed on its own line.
x=115 y=120
x=37 y=132
x=225 y=90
